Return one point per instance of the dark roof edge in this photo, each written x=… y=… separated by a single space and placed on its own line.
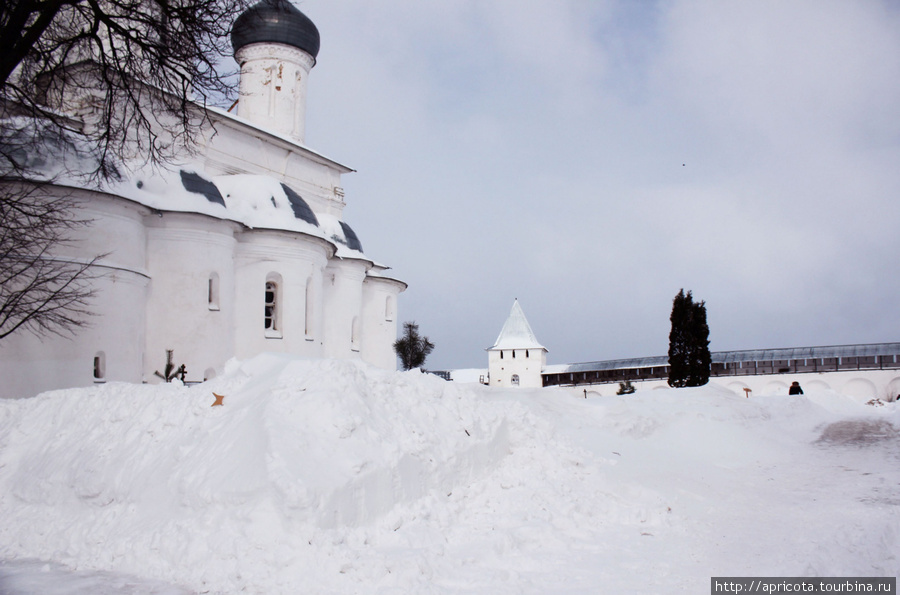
x=781 y=353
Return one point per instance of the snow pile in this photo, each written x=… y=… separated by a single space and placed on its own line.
x=334 y=477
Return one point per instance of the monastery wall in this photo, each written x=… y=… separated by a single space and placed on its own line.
x=859 y=384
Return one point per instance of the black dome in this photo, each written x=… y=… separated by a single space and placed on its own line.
x=275 y=21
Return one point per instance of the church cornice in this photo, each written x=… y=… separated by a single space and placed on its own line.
x=386 y=281
x=219 y=115
x=274 y=51
x=249 y=237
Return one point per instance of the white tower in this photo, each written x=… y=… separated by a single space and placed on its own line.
x=516 y=359
x=276 y=46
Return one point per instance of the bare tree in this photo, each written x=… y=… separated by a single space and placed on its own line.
x=126 y=75
x=86 y=85
x=39 y=291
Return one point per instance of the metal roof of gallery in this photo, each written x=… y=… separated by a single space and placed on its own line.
x=748 y=355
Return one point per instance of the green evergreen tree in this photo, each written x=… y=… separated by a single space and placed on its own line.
x=701 y=359
x=411 y=348
x=689 y=357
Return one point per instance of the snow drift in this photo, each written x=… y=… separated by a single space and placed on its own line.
x=335 y=477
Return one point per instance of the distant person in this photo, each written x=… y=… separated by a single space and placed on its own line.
x=795 y=389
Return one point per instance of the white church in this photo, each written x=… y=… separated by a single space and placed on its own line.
x=241 y=250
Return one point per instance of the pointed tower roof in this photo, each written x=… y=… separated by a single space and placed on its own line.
x=516 y=332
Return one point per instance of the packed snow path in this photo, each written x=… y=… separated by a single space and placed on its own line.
x=334 y=477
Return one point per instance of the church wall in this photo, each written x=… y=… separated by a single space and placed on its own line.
x=861 y=385
x=191 y=299
x=117 y=337
x=343 y=307
x=117 y=230
x=238 y=148
x=119 y=333
x=30 y=364
x=293 y=264
x=115 y=334
x=379 y=315
x=318 y=184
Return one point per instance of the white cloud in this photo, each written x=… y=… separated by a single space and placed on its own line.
x=593 y=158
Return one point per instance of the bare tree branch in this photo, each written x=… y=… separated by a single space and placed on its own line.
x=126 y=74
x=85 y=87
x=39 y=291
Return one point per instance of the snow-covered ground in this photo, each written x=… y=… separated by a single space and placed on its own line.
x=334 y=477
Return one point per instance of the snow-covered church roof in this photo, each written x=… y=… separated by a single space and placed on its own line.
x=253 y=200
x=516 y=332
x=257 y=201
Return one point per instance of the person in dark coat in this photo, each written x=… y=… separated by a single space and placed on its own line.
x=795 y=389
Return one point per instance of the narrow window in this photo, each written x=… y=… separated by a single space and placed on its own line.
x=272 y=311
x=100 y=367
x=501 y=354
x=389 y=308
x=270 y=318
x=526 y=353
x=212 y=295
x=515 y=380
x=514 y=354
x=308 y=315
x=354 y=334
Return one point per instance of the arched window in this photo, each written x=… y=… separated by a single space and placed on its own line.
x=514 y=380
x=100 y=367
x=212 y=294
x=272 y=307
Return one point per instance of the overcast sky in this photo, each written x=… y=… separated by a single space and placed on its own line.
x=591 y=158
